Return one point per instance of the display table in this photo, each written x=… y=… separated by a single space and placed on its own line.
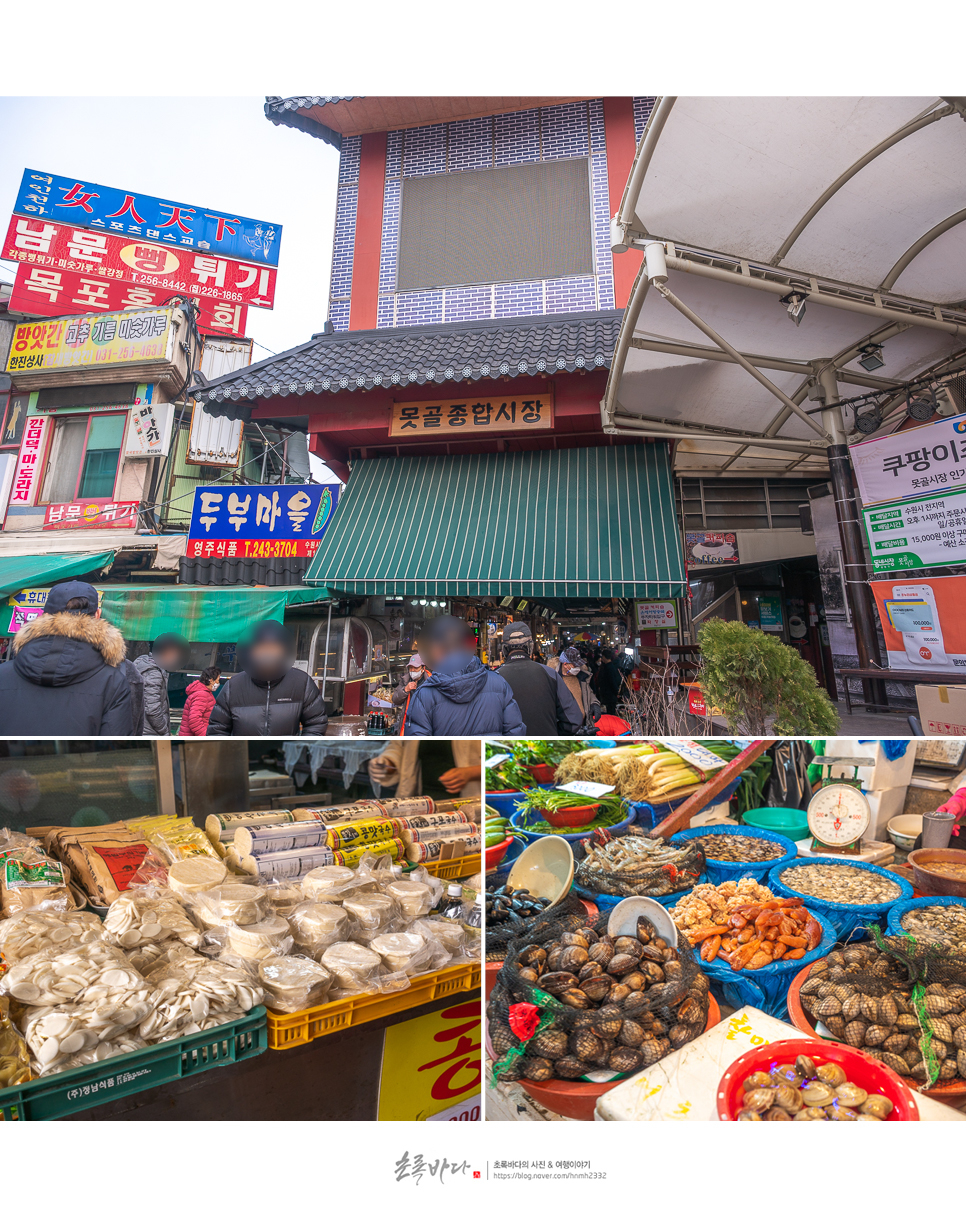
x=910 y=677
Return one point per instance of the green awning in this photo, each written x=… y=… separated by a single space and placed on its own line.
x=590 y=522
x=203 y=614
x=42 y=570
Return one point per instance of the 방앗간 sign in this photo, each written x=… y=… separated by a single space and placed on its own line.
x=529 y=413
x=38 y=290
x=912 y=463
x=77 y=342
x=46 y=247
x=272 y=522
x=89 y=205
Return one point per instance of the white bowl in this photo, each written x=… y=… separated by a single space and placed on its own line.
x=623 y=918
x=904 y=830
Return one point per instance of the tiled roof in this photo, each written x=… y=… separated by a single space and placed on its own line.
x=421 y=355
x=285 y=112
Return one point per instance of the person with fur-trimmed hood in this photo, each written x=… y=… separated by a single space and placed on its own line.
x=67 y=676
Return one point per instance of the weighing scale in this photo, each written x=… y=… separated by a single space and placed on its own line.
x=839 y=813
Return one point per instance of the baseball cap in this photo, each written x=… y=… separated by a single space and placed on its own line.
x=416 y=661
x=516 y=630
x=60 y=594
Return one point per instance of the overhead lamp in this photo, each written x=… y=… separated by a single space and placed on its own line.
x=794 y=303
x=442 y=605
x=922 y=404
x=869 y=422
x=422 y=603
x=433 y=604
x=870 y=357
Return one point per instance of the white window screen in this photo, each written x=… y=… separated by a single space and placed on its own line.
x=518 y=222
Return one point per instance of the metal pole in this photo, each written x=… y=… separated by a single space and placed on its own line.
x=853 y=553
x=325 y=654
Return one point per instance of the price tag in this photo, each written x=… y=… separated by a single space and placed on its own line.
x=496 y=760
x=696 y=755
x=580 y=788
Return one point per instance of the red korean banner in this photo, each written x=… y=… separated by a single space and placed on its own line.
x=91 y=515
x=43 y=292
x=62 y=247
x=26 y=479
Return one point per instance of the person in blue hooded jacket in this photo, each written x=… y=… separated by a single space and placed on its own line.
x=462 y=697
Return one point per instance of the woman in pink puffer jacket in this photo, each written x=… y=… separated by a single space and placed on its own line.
x=199 y=704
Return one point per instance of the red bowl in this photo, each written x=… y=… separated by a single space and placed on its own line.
x=494 y=854
x=542 y=772
x=866 y=1072
x=574 y=817
x=952 y=1093
x=577 y=1099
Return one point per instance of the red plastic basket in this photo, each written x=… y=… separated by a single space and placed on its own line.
x=542 y=772
x=866 y=1072
x=494 y=854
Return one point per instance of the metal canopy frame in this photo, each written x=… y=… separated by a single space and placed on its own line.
x=890 y=314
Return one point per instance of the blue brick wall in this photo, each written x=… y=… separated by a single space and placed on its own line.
x=549 y=133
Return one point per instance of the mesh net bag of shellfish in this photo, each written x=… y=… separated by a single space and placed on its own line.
x=632 y=864
x=573 y=1002
x=499 y=935
x=898 y=999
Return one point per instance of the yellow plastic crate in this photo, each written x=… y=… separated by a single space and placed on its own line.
x=286 y=1030
x=451 y=869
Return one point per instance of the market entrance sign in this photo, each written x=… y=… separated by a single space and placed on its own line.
x=657 y=615
x=470 y=416
x=277 y=521
x=126 y=212
x=78 y=342
x=926 y=532
x=908 y=464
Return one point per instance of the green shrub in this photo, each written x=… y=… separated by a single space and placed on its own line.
x=751 y=677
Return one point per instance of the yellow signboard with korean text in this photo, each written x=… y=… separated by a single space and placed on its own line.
x=80 y=342
x=431 y=1064
x=472 y=415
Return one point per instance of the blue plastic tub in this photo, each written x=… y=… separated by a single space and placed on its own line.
x=765 y=988
x=505 y=803
x=898 y=911
x=720 y=870
x=850 y=922
x=520 y=819
x=606 y=901
x=513 y=853
x=650 y=815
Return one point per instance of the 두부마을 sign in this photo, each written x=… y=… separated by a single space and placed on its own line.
x=925 y=532
x=281 y=520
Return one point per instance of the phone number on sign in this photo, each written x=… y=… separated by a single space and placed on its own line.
x=249 y=548
x=162 y=281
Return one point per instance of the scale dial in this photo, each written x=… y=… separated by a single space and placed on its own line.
x=838 y=814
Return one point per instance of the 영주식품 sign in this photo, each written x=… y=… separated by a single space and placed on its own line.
x=275 y=521
x=530 y=412
x=912 y=463
x=108 y=208
x=47 y=246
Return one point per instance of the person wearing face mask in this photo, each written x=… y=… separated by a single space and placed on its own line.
x=269 y=697
x=200 y=703
x=409 y=684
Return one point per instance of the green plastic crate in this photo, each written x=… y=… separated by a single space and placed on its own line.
x=68 y=1092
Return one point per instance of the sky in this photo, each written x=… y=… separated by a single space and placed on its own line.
x=215 y=153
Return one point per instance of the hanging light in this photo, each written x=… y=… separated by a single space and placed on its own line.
x=433 y=604
x=870 y=357
x=869 y=422
x=422 y=603
x=921 y=404
x=794 y=303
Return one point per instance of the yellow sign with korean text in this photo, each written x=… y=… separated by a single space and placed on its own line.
x=472 y=415
x=79 y=342
x=431 y=1063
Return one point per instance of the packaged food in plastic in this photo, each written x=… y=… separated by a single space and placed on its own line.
x=268 y=937
x=283 y=897
x=49 y=926
x=405 y=952
x=362 y=833
x=153 y=870
x=229 y=903
x=192 y=993
x=449 y=934
x=281 y=865
x=329 y=884
x=197 y=874
x=414 y=900
x=149 y=915
x=270 y=839
x=174 y=837
x=14 y=1056
x=102 y=858
x=222 y=826
x=354 y=966
x=392 y=848
x=317 y=926
x=77 y=1001
x=373 y=912
x=293 y=983
x=29 y=879
x=14 y=843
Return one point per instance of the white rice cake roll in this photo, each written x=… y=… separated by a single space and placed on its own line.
x=196 y=874
x=285 y=865
x=220 y=827
x=267 y=839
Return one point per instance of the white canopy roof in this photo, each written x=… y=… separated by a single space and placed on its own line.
x=858 y=204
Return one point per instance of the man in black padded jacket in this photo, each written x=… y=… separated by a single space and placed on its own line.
x=269 y=697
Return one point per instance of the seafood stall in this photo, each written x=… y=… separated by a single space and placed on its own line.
x=642 y=924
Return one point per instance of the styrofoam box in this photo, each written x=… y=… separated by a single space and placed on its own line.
x=885 y=804
x=684 y=1086
x=880 y=773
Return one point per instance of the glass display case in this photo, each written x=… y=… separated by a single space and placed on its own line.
x=341 y=652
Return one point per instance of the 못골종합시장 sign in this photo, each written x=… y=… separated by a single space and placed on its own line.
x=131 y=214
x=533 y=412
x=284 y=520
